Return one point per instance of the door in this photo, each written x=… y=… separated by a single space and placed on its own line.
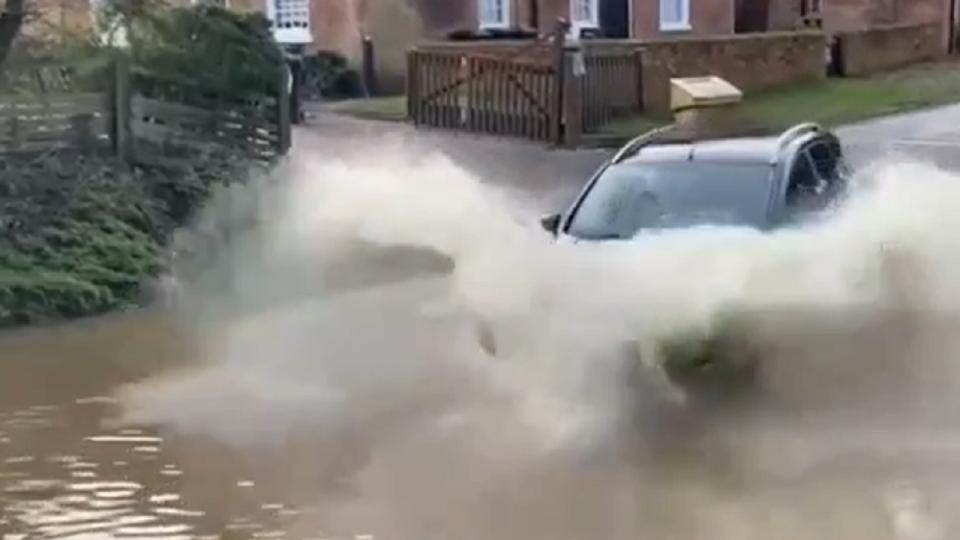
x=615 y=18
x=752 y=16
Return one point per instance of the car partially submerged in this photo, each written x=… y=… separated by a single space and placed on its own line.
x=668 y=180
x=664 y=180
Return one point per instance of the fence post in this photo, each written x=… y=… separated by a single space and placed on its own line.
x=572 y=111
x=15 y=134
x=369 y=68
x=283 y=110
x=640 y=62
x=81 y=132
x=121 y=96
x=559 y=44
x=413 y=87
x=296 y=82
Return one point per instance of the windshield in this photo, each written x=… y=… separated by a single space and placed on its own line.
x=629 y=197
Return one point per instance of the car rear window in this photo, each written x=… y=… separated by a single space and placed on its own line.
x=631 y=197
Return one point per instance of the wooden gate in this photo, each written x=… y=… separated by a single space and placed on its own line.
x=484 y=94
x=610 y=87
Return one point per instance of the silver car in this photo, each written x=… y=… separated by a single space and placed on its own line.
x=662 y=180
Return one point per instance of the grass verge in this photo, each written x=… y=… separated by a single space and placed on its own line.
x=387 y=109
x=837 y=101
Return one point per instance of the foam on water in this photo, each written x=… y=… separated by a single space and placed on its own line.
x=346 y=309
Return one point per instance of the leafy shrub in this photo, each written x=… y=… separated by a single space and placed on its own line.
x=212 y=46
x=80 y=243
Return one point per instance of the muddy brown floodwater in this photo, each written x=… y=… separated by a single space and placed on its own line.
x=302 y=390
x=65 y=472
x=70 y=470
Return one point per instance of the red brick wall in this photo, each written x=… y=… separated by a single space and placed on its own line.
x=783 y=15
x=49 y=17
x=441 y=16
x=887 y=47
x=550 y=11
x=749 y=61
x=707 y=17
x=844 y=15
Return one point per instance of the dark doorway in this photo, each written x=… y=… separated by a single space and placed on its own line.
x=752 y=16
x=615 y=18
x=534 y=12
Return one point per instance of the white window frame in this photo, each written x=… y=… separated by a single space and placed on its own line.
x=504 y=21
x=576 y=25
x=676 y=26
x=289 y=36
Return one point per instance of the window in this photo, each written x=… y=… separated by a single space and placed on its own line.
x=583 y=14
x=494 y=13
x=632 y=197
x=674 y=15
x=815 y=178
x=810 y=7
x=290 y=20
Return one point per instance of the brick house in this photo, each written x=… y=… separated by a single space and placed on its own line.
x=837 y=15
x=611 y=18
x=46 y=16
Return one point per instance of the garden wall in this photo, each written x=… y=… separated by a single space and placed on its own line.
x=861 y=52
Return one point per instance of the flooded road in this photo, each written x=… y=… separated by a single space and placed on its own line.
x=72 y=468
x=301 y=391
x=66 y=473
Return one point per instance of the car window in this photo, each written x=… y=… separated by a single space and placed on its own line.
x=631 y=197
x=814 y=172
x=825 y=161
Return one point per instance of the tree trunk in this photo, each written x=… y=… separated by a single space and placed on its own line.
x=10 y=22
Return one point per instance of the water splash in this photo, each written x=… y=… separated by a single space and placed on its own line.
x=347 y=310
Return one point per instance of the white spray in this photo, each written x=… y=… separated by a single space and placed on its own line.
x=379 y=355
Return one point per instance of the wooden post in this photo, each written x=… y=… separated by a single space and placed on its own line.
x=283 y=111
x=559 y=44
x=572 y=111
x=121 y=130
x=413 y=87
x=296 y=76
x=369 y=68
x=81 y=131
x=15 y=134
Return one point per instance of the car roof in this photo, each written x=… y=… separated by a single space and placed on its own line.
x=667 y=146
x=741 y=150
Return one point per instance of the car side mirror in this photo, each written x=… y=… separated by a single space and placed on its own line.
x=551 y=223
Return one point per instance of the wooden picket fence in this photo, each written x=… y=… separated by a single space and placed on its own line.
x=610 y=87
x=74 y=120
x=483 y=94
x=554 y=98
x=145 y=117
x=168 y=114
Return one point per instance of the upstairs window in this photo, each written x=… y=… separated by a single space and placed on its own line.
x=494 y=13
x=290 y=20
x=584 y=13
x=674 y=15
